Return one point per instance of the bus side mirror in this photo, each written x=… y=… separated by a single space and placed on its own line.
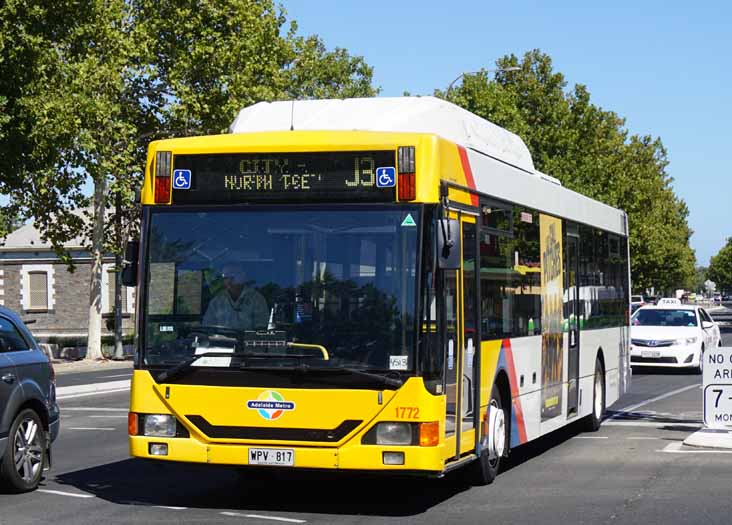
x=129 y=270
x=448 y=244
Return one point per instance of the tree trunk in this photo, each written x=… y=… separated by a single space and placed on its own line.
x=118 y=289
x=94 y=339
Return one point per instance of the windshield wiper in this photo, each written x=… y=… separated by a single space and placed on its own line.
x=181 y=367
x=389 y=381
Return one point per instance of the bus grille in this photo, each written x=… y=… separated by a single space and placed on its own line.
x=275 y=433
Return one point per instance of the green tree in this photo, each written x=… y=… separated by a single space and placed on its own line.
x=700 y=276
x=37 y=131
x=720 y=267
x=589 y=150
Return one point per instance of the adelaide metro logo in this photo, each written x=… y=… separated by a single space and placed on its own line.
x=270 y=405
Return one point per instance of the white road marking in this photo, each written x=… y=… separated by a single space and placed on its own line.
x=69 y=494
x=631 y=408
x=260 y=517
x=91 y=428
x=169 y=508
x=95 y=409
x=590 y=437
x=650 y=424
x=677 y=448
x=117 y=375
x=61 y=398
x=120 y=416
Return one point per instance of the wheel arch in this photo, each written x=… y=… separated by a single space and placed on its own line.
x=600 y=356
x=503 y=383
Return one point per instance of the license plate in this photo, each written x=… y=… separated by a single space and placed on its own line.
x=650 y=353
x=272 y=456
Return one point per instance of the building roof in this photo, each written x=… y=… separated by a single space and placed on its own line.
x=28 y=237
x=397 y=114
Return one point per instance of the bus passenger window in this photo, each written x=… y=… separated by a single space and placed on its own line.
x=496 y=291
x=527 y=273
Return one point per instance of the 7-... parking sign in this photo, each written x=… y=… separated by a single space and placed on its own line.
x=181 y=179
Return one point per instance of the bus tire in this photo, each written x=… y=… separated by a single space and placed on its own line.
x=484 y=470
x=594 y=420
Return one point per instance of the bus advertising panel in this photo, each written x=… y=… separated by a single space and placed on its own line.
x=551 y=314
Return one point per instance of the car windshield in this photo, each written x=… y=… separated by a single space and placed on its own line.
x=664 y=317
x=317 y=287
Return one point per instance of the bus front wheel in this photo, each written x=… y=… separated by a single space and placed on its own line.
x=494 y=447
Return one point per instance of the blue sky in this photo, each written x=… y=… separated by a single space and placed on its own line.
x=664 y=66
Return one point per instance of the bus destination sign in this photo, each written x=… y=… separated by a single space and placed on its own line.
x=230 y=178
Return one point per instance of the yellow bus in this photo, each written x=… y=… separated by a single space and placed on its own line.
x=381 y=284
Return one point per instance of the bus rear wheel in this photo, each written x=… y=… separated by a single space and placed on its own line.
x=485 y=469
x=594 y=420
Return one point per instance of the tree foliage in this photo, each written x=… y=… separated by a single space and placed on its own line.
x=589 y=150
x=720 y=267
x=700 y=277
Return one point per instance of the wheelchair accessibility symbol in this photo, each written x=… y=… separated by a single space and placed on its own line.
x=385 y=177
x=181 y=179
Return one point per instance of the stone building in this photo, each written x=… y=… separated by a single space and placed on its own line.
x=37 y=285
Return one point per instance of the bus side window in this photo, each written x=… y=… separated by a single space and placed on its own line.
x=496 y=290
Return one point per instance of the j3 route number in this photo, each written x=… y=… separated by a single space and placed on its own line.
x=407 y=412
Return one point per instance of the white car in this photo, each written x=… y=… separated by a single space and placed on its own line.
x=672 y=335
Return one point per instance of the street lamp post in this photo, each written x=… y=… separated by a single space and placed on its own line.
x=461 y=75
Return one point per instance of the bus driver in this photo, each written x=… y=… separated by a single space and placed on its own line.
x=237 y=305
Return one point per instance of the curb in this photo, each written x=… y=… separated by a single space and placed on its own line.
x=71 y=367
x=710 y=438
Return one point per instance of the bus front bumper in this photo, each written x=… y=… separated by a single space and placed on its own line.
x=429 y=460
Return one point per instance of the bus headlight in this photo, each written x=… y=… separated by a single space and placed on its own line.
x=159 y=425
x=394 y=434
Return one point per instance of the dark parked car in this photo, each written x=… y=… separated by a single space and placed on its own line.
x=29 y=415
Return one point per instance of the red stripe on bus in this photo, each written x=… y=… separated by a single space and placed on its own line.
x=468 y=173
x=516 y=402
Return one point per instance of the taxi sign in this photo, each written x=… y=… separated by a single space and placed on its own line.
x=718 y=388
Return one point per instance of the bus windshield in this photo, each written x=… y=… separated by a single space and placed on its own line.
x=316 y=287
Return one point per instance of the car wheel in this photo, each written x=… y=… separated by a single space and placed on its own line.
x=22 y=466
x=700 y=368
x=594 y=420
x=485 y=469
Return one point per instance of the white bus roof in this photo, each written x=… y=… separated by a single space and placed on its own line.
x=500 y=158
x=398 y=114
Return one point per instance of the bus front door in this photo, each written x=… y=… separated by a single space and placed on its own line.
x=460 y=339
x=459 y=300
x=470 y=344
